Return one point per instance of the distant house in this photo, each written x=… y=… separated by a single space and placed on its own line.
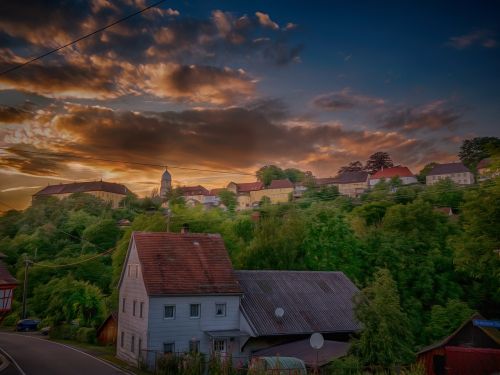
x=107 y=191
x=486 y=171
x=243 y=190
x=457 y=172
x=178 y=293
x=403 y=173
x=286 y=306
x=278 y=191
x=352 y=183
x=194 y=195
x=469 y=350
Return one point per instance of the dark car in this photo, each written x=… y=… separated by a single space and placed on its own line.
x=27 y=325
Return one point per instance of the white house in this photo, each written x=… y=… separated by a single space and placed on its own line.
x=178 y=293
x=457 y=172
x=403 y=173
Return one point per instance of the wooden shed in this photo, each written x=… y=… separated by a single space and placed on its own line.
x=107 y=332
x=471 y=349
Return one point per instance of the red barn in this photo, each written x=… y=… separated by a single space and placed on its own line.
x=470 y=350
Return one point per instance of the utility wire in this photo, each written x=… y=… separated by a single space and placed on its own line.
x=81 y=38
x=156 y=165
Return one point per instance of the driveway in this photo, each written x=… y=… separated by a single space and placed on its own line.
x=35 y=355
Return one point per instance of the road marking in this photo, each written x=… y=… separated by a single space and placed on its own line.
x=69 y=347
x=13 y=361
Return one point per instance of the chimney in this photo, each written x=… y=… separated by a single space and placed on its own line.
x=185 y=228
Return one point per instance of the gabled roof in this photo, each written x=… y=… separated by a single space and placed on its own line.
x=491 y=332
x=398 y=171
x=485 y=163
x=5 y=277
x=351 y=177
x=448 y=168
x=83 y=187
x=193 y=190
x=325 y=181
x=312 y=301
x=185 y=264
x=216 y=191
x=247 y=187
x=280 y=184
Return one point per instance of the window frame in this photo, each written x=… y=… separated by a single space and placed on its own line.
x=132 y=344
x=215 y=346
x=141 y=310
x=169 y=343
x=123 y=304
x=191 y=305
x=122 y=339
x=224 y=310
x=173 y=312
x=134 y=307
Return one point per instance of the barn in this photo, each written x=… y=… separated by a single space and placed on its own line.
x=471 y=349
x=106 y=333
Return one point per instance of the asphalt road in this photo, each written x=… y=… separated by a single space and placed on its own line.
x=39 y=356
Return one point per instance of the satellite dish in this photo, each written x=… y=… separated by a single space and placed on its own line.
x=279 y=312
x=317 y=340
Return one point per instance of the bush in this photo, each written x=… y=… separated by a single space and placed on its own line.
x=11 y=319
x=63 y=332
x=86 y=335
x=168 y=365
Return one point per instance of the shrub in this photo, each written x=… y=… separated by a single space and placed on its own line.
x=86 y=335
x=11 y=320
x=64 y=332
x=168 y=364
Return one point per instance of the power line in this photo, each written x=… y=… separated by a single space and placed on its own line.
x=156 y=165
x=81 y=38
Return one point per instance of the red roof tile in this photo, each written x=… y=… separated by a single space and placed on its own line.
x=180 y=264
x=280 y=184
x=399 y=171
x=247 y=187
x=84 y=187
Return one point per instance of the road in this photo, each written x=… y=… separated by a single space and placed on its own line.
x=35 y=355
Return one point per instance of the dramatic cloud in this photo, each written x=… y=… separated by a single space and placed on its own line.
x=483 y=38
x=344 y=100
x=15 y=115
x=431 y=117
x=265 y=20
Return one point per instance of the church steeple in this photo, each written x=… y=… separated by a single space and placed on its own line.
x=166 y=183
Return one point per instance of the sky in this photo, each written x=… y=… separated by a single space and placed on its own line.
x=234 y=85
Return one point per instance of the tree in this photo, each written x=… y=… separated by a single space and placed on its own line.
x=377 y=161
x=421 y=177
x=446 y=319
x=268 y=173
x=100 y=236
x=353 y=166
x=294 y=174
x=444 y=193
x=386 y=339
x=228 y=199
x=474 y=150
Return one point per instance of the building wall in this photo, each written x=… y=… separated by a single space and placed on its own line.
x=108 y=333
x=404 y=180
x=132 y=289
x=353 y=189
x=275 y=195
x=183 y=329
x=243 y=201
x=463 y=178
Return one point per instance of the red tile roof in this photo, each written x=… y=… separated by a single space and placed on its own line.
x=84 y=187
x=399 y=171
x=193 y=190
x=180 y=264
x=216 y=191
x=247 y=187
x=280 y=184
x=448 y=168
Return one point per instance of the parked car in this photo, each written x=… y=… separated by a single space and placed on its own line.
x=27 y=325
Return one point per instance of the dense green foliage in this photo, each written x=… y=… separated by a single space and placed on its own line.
x=437 y=268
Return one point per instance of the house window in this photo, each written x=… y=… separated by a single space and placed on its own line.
x=140 y=347
x=134 y=304
x=168 y=347
x=123 y=305
x=219 y=346
x=141 y=309
x=132 y=344
x=194 y=346
x=122 y=339
x=194 y=310
x=169 y=312
x=220 y=309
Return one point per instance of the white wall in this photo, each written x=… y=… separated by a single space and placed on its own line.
x=132 y=289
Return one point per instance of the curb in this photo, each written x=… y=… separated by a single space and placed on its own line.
x=9 y=361
x=4 y=362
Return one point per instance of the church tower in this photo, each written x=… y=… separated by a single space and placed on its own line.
x=166 y=183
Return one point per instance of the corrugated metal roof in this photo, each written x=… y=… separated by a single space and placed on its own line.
x=312 y=301
x=83 y=187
